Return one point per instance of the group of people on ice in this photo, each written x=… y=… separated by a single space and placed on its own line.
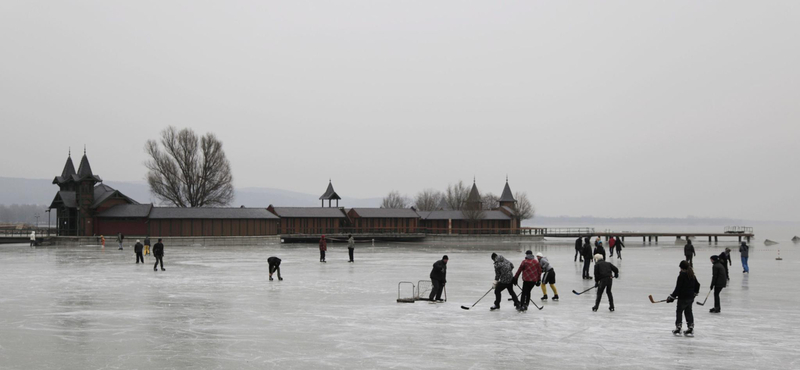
x=535 y=271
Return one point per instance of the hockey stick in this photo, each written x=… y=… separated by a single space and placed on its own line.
x=476 y=302
x=654 y=301
x=704 y=301
x=576 y=293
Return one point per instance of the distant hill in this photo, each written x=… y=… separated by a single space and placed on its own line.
x=41 y=191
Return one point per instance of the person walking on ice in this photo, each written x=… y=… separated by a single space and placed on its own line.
x=120 y=238
x=274 y=266
x=578 y=249
x=688 y=251
x=33 y=238
x=323 y=246
x=351 y=245
x=686 y=289
x=598 y=248
x=744 y=250
x=611 y=243
x=158 y=253
x=502 y=280
x=549 y=276
x=438 y=279
x=602 y=279
x=718 y=281
x=587 y=258
x=137 y=248
x=531 y=273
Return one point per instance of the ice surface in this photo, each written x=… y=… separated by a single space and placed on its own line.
x=214 y=308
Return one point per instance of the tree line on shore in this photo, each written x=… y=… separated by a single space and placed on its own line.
x=23 y=213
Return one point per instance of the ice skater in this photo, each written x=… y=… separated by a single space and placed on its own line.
x=158 y=253
x=619 y=245
x=120 y=238
x=598 y=248
x=351 y=246
x=718 y=281
x=549 y=276
x=578 y=249
x=531 y=273
x=503 y=278
x=688 y=251
x=323 y=246
x=137 y=248
x=602 y=279
x=103 y=241
x=725 y=258
x=686 y=289
x=438 y=279
x=33 y=238
x=587 y=258
x=744 y=250
x=611 y=243
x=274 y=266
x=147 y=245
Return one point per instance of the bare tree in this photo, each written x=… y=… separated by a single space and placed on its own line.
x=456 y=195
x=524 y=209
x=490 y=201
x=189 y=171
x=428 y=200
x=395 y=200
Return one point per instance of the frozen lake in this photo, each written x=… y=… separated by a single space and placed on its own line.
x=214 y=308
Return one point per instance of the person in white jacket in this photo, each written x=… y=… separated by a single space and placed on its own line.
x=33 y=238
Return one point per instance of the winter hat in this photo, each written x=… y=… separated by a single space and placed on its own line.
x=598 y=257
x=684 y=265
x=137 y=240
x=715 y=258
x=444 y=257
x=494 y=255
x=528 y=252
x=539 y=254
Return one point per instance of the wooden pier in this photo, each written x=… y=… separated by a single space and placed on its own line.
x=739 y=232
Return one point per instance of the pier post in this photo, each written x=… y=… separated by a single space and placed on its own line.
x=650 y=239
x=656 y=239
x=644 y=239
x=716 y=239
x=678 y=238
x=748 y=239
x=740 y=238
x=709 y=239
x=606 y=239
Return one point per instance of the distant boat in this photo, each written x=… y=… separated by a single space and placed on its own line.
x=796 y=239
x=769 y=242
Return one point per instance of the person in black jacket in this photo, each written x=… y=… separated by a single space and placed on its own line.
x=619 y=245
x=158 y=253
x=137 y=248
x=274 y=266
x=688 y=251
x=578 y=249
x=602 y=278
x=438 y=278
x=686 y=289
x=598 y=249
x=718 y=281
x=587 y=258
x=725 y=258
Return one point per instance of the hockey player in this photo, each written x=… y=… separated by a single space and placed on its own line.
x=323 y=246
x=503 y=280
x=274 y=266
x=158 y=253
x=587 y=258
x=549 y=277
x=598 y=249
x=602 y=278
x=718 y=281
x=686 y=289
x=531 y=272
x=438 y=279
x=744 y=250
x=578 y=249
x=137 y=248
x=351 y=245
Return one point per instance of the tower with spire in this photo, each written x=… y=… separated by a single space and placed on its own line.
x=329 y=195
x=474 y=201
x=507 y=198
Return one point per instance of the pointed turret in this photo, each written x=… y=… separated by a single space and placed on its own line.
x=507 y=198
x=329 y=195
x=84 y=169
x=67 y=172
x=474 y=199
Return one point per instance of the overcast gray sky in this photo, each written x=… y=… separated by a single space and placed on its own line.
x=613 y=108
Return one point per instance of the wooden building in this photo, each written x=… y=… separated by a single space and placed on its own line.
x=458 y=222
x=383 y=220
x=82 y=196
x=310 y=220
x=207 y=221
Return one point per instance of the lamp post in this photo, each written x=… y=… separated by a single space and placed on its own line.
x=37 y=220
x=48 y=221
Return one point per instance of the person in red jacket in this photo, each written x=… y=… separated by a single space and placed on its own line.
x=611 y=243
x=531 y=270
x=323 y=246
